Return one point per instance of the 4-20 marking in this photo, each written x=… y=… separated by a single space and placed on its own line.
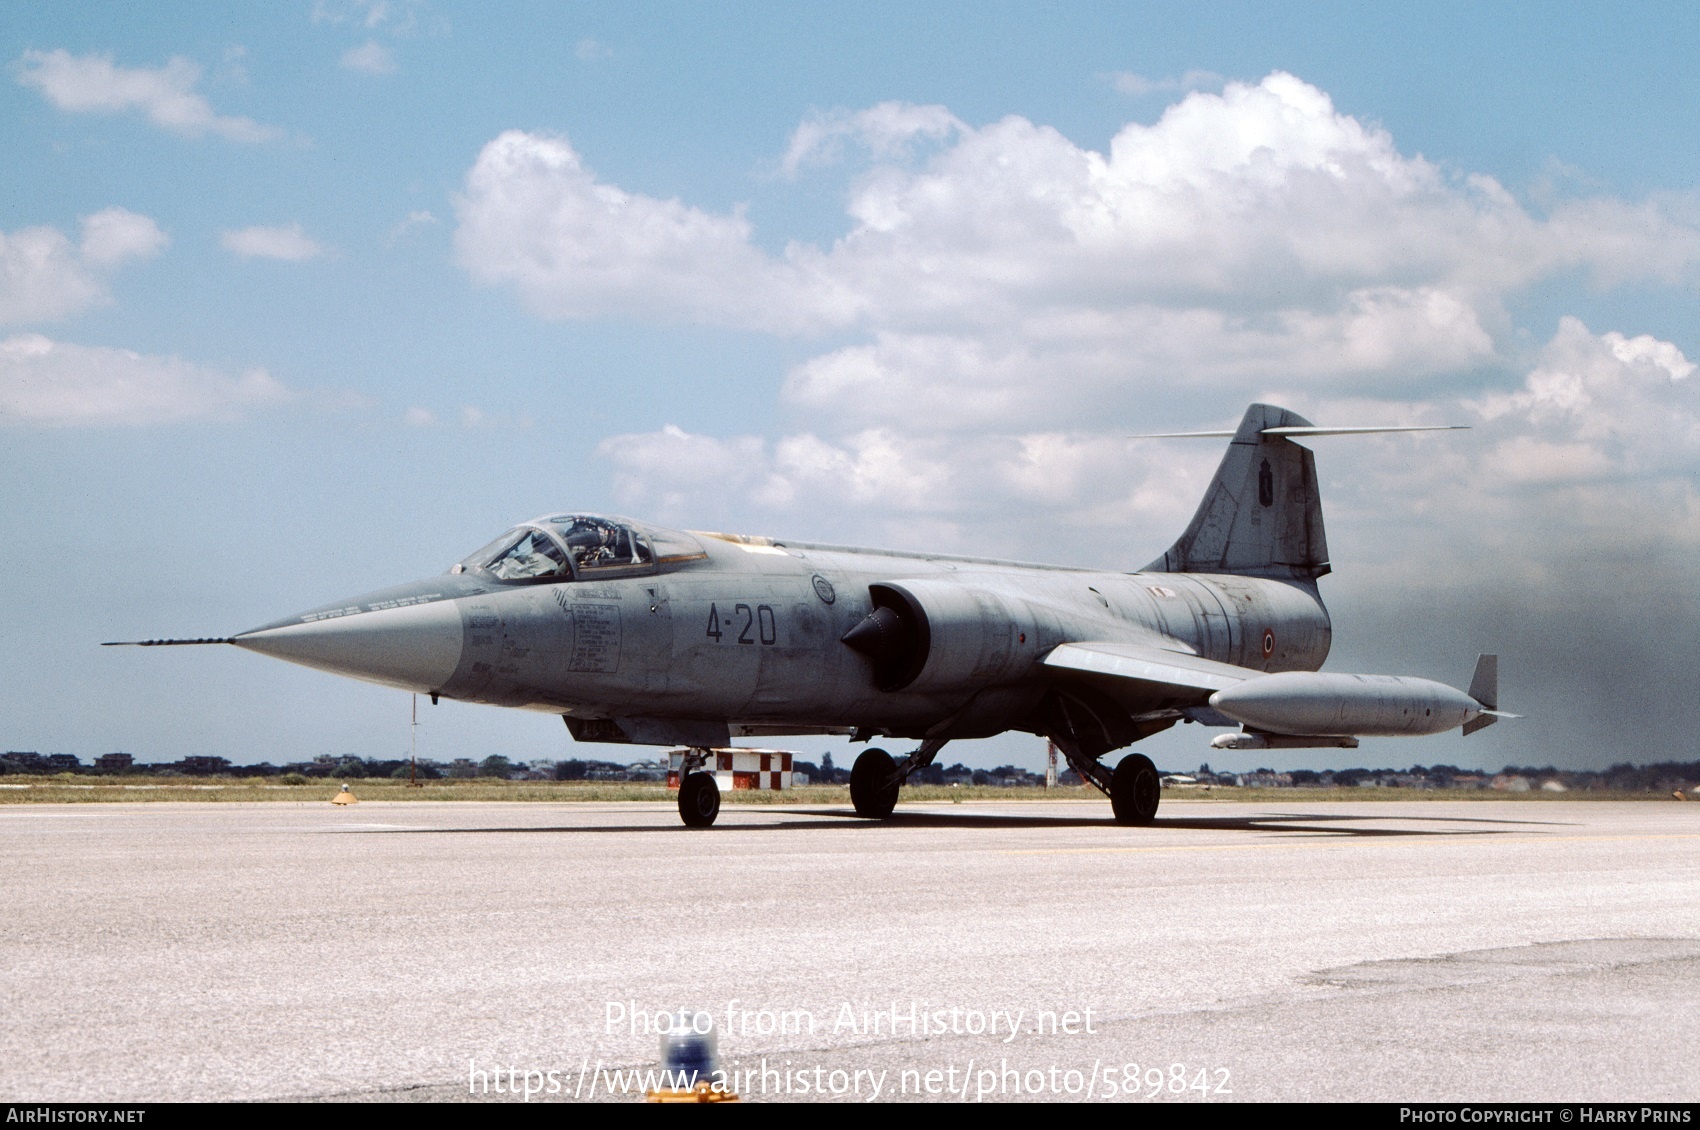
x=759 y=618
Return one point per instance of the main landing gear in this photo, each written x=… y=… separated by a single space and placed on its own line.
x=876 y=777
x=874 y=782
x=1133 y=786
x=1135 y=790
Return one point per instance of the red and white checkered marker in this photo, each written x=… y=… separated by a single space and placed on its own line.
x=739 y=768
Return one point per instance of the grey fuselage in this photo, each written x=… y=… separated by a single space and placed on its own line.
x=749 y=633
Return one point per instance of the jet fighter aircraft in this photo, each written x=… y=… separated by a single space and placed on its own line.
x=638 y=634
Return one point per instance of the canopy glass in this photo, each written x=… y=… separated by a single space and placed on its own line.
x=564 y=547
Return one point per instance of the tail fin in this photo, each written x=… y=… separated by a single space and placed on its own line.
x=1484 y=688
x=1262 y=515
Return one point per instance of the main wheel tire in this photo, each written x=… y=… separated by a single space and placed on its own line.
x=1135 y=790
x=699 y=800
x=872 y=789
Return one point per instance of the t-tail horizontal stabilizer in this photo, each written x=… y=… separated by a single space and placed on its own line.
x=1309 y=430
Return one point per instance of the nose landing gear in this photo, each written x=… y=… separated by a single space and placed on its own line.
x=699 y=800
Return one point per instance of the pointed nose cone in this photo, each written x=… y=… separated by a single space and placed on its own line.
x=883 y=636
x=415 y=647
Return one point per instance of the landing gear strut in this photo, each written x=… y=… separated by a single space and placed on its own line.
x=876 y=778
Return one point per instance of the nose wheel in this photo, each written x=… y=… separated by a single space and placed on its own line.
x=699 y=800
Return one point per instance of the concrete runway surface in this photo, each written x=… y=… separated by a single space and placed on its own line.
x=1407 y=951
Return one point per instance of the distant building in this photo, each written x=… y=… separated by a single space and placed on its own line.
x=26 y=759
x=110 y=762
x=63 y=762
x=598 y=771
x=204 y=764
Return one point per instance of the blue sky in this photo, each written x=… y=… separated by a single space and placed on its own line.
x=302 y=300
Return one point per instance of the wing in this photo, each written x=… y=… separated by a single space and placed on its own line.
x=1143 y=663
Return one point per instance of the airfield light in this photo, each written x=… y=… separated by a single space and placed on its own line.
x=688 y=1055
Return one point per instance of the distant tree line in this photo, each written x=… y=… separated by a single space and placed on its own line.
x=1625 y=777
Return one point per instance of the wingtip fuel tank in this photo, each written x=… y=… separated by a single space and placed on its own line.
x=1310 y=703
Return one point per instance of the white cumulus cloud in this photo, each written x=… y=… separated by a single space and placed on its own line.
x=415 y=219
x=371 y=58
x=288 y=242
x=1596 y=449
x=1129 y=82
x=166 y=95
x=1008 y=305
x=114 y=236
x=45 y=277
x=534 y=217
x=962 y=492
x=889 y=129
x=1251 y=235
x=397 y=16
x=1598 y=406
x=45 y=383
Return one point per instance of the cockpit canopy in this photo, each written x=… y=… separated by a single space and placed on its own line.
x=562 y=547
